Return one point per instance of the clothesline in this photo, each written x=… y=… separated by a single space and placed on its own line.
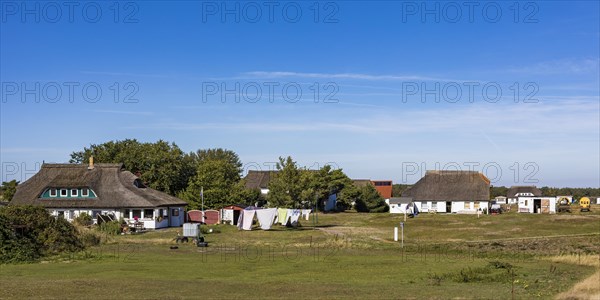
x=269 y=216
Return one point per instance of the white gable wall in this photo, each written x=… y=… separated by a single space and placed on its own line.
x=527 y=204
x=455 y=207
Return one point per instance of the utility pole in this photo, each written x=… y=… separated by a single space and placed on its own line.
x=202 y=197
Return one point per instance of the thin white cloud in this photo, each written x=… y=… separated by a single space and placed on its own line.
x=562 y=66
x=124 y=74
x=123 y=112
x=524 y=119
x=355 y=76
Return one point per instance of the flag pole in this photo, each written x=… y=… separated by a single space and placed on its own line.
x=202 y=196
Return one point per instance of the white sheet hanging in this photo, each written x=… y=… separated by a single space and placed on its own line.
x=247 y=217
x=294 y=215
x=306 y=213
x=266 y=217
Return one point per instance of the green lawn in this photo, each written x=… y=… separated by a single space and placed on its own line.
x=349 y=255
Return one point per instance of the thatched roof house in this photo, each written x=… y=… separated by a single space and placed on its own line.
x=450 y=191
x=70 y=189
x=515 y=191
x=259 y=180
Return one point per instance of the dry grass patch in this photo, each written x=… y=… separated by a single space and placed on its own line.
x=589 y=288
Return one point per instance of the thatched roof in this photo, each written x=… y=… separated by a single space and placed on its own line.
x=361 y=182
x=400 y=200
x=258 y=179
x=113 y=186
x=514 y=190
x=450 y=186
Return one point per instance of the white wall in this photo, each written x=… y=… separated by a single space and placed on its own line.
x=227 y=215
x=526 y=204
x=149 y=221
x=72 y=213
x=456 y=206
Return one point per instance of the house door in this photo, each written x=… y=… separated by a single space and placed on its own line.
x=537 y=206
x=448 y=206
x=236 y=215
x=545 y=206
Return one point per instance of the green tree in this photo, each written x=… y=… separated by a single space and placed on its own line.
x=219 y=154
x=9 y=188
x=242 y=195
x=496 y=191
x=369 y=200
x=348 y=195
x=328 y=181
x=163 y=166
x=285 y=187
x=217 y=175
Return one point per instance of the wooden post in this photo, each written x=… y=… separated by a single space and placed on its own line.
x=402 y=229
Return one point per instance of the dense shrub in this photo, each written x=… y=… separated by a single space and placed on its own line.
x=369 y=200
x=30 y=232
x=89 y=238
x=83 y=219
x=112 y=227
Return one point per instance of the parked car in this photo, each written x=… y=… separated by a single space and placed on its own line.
x=496 y=209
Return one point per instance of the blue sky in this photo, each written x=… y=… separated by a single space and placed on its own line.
x=400 y=92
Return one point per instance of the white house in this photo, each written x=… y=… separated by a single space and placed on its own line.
x=398 y=205
x=537 y=205
x=514 y=192
x=68 y=190
x=500 y=200
x=259 y=180
x=451 y=192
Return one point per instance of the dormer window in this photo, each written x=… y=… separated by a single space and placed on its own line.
x=68 y=193
x=138 y=183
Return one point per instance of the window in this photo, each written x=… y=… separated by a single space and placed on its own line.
x=161 y=213
x=95 y=213
x=71 y=215
x=53 y=193
x=467 y=205
x=126 y=213
x=64 y=193
x=148 y=213
x=74 y=192
x=423 y=205
x=383 y=183
x=137 y=213
x=61 y=214
x=477 y=205
x=85 y=192
x=433 y=205
x=175 y=212
x=525 y=202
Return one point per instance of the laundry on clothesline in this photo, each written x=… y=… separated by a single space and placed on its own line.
x=269 y=216
x=266 y=217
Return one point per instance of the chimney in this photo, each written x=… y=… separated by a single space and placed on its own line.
x=91 y=166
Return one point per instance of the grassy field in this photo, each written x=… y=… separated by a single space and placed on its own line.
x=348 y=255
